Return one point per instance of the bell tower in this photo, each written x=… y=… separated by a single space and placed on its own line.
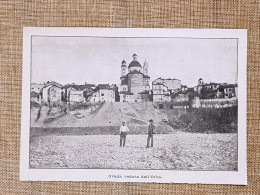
x=145 y=68
x=134 y=57
x=200 y=81
x=123 y=68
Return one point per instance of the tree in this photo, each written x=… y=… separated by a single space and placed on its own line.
x=151 y=96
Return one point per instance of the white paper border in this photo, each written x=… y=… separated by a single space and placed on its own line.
x=167 y=176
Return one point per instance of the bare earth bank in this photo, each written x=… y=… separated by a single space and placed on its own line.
x=180 y=151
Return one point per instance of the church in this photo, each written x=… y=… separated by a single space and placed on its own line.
x=134 y=81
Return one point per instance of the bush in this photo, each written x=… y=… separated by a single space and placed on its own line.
x=206 y=120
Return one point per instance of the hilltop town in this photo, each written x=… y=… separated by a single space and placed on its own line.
x=78 y=125
x=135 y=87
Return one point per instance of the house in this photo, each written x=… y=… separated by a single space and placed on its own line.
x=66 y=93
x=36 y=87
x=35 y=97
x=163 y=88
x=76 y=96
x=128 y=97
x=160 y=92
x=102 y=93
x=35 y=92
x=184 y=96
x=215 y=90
x=51 y=93
x=206 y=87
x=228 y=90
x=86 y=88
x=171 y=84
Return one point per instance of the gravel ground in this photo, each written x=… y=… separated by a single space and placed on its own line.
x=180 y=151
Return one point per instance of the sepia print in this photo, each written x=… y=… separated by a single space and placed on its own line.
x=134 y=103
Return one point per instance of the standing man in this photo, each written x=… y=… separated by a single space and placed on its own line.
x=123 y=132
x=150 y=133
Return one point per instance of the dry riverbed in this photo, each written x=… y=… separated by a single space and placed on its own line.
x=180 y=151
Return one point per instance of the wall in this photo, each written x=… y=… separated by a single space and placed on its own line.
x=76 y=96
x=135 y=83
x=172 y=84
x=55 y=94
x=214 y=103
x=45 y=94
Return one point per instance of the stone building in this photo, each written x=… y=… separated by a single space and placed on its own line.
x=87 y=89
x=206 y=86
x=51 y=93
x=36 y=87
x=215 y=90
x=36 y=92
x=76 y=96
x=229 y=90
x=163 y=88
x=35 y=97
x=134 y=81
x=103 y=93
x=160 y=93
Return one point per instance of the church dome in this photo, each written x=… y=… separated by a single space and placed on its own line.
x=134 y=64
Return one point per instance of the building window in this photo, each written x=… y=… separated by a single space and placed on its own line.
x=102 y=94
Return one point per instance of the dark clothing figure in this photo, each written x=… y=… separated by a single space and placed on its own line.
x=150 y=135
x=122 y=138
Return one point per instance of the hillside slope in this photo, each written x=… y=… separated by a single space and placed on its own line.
x=135 y=115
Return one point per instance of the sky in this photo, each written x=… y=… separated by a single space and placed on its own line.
x=98 y=60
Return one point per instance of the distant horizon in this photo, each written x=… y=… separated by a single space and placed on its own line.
x=78 y=60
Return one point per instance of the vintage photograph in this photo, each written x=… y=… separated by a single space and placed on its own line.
x=133 y=103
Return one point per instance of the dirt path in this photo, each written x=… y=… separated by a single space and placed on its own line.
x=181 y=151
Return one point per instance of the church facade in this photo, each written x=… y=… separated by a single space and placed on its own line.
x=134 y=81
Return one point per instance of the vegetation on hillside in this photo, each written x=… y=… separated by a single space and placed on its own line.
x=204 y=120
